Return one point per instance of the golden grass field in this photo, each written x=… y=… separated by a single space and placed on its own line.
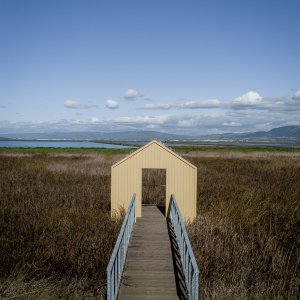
x=56 y=235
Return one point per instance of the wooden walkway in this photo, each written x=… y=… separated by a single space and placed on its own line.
x=149 y=271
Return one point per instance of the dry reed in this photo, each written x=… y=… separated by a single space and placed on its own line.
x=56 y=235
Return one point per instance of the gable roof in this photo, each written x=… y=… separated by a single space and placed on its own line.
x=148 y=145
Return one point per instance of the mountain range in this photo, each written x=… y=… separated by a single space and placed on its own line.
x=280 y=133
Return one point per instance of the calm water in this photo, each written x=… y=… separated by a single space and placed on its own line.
x=75 y=144
x=57 y=144
x=295 y=145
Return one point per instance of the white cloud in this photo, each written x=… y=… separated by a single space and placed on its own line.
x=187 y=122
x=191 y=124
x=249 y=98
x=194 y=104
x=111 y=104
x=143 y=120
x=249 y=112
x=231 y=124
x=152 y=126
x=132 y=94
x=71 y=104
x=76 y=105
x=296 y=96
x=211 y=103
x=158 y=106
x=93 y=120
x=253 y=101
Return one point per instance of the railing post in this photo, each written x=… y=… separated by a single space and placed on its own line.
x=117 y=261
x=187 y=257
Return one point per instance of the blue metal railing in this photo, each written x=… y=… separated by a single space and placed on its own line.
x=117 y=261
x=188 y=261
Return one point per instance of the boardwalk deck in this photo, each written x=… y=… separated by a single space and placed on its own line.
x=149 y=271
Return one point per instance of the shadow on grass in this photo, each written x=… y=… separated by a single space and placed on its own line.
x=179 y=275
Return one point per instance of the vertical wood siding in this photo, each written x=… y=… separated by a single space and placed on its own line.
x=181 y=179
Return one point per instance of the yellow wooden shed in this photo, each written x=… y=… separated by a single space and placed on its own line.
x=181 y=179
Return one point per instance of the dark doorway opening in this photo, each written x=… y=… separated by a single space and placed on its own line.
x=154 y=188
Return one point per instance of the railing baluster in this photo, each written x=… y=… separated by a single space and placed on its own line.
x=188 y=261
x=113 y=281
x=116 y=263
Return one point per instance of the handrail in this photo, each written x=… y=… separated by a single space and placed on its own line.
x=117 y=261
x=187 y=257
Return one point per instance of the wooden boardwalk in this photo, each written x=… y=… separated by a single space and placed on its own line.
x=149 y=271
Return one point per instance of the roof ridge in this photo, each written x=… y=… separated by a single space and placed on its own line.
x=146 y=146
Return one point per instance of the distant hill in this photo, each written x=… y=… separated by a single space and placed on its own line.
x=6 y=139
x=286 y=132
x=280 y=133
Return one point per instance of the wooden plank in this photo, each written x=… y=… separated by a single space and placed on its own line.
x=149 y=270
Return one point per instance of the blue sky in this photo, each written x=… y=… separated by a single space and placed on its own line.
x=192 y=67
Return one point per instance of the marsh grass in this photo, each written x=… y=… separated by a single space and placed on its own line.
x=246 y=237
x=234 y=148
x=55 y=225
x=154 y=186
x=56 y=235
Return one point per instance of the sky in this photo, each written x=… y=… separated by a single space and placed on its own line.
x=186 y=67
